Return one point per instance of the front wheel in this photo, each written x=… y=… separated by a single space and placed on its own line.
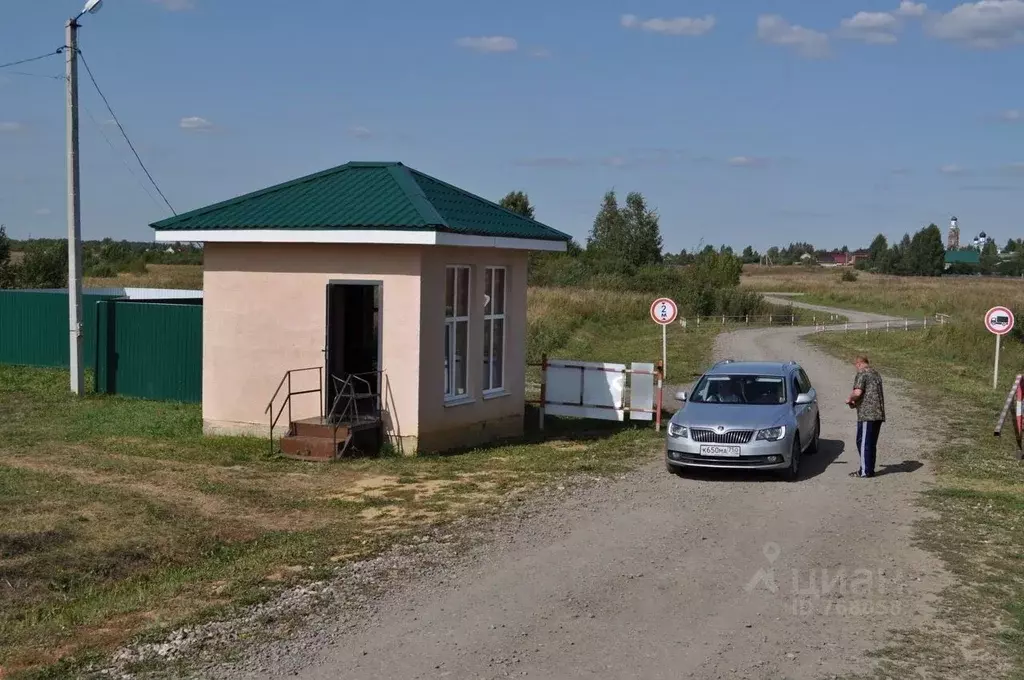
x=812 y=448
x=792 y=473
x=673 y=469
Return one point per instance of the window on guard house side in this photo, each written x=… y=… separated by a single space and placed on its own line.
x=494 y=329
x=456 y=332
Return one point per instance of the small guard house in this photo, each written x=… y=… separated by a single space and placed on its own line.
x=367 y=295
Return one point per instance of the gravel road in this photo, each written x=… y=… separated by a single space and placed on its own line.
x=654 y=576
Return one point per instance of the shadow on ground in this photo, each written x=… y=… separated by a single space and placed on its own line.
x=896 y=468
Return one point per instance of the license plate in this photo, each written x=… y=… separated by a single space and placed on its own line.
x=720 y=451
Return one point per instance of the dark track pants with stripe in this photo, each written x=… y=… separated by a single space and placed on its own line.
x=867 y=441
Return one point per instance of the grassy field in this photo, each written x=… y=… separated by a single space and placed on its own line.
x=965 y=298
x=117 y=516
x=979 y=495
x=183 y=276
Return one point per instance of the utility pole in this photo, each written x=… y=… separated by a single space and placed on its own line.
x=74 y=213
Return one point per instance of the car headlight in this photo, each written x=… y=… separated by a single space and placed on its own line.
x=772 y=434
x=677 y=431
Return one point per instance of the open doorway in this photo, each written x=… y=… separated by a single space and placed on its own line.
x=353 y=352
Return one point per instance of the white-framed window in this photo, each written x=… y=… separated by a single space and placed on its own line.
x=456 y=332
x=495 y=288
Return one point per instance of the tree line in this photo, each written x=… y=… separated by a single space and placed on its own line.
x=43 y=263
x=624 y=251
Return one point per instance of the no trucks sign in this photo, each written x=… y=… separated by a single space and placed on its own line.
x=998 y=320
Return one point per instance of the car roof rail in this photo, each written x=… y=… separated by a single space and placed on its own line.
x=724 y=361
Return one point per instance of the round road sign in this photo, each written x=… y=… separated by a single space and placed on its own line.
x=664 y=311
x=999 y=320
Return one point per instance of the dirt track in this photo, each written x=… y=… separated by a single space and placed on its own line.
x=653 y=576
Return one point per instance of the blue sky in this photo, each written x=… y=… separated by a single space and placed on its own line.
x=759 y=122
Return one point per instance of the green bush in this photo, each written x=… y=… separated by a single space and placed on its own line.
x=848 y=276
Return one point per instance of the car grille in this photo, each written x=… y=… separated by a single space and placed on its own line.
x=712 y=437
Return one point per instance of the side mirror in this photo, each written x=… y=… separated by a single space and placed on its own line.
x=681 y=395
x=805 y=398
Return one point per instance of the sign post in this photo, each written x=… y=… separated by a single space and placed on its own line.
x=999 y=321
x=664 y=312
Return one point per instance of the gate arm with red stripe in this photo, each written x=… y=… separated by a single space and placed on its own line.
x=1016 y=394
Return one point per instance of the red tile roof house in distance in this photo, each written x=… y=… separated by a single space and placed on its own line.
x=372 y=269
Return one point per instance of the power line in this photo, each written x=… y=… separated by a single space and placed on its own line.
x=123 y=133
x=99 y=127
x=31 y=59
x=36 y=75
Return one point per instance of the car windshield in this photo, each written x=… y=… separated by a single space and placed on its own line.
x=740 y=389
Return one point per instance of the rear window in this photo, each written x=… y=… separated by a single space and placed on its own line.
x=740 y=389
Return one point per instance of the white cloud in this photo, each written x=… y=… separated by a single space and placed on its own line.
x=747 y=162
x=952 y=169
x=43 y=212
x=11 y=127
x=912 y=9
x=539 y=52
x=176 y=5
x=360 y=132
x=689 y=26
x=878 y=28
x=809 y=43
x=1012 y=116
x=489 y=44
x=986 y=24
x=195 y=124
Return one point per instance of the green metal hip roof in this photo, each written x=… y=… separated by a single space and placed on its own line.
x=385 y=196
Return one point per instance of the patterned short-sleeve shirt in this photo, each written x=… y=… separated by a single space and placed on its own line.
x=871 y=406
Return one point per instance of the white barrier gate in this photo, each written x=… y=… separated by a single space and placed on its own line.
x=602 y=391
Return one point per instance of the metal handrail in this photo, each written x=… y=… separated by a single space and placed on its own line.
x=274 y=418
x=346 y=389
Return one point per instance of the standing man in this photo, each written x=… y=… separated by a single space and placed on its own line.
x=869 y=400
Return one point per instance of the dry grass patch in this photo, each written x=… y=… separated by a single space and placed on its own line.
x=182 y=276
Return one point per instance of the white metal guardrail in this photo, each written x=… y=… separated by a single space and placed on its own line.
x=904 y=324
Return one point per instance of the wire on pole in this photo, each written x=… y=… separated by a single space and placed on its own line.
x=123 y=133
x=31 y=59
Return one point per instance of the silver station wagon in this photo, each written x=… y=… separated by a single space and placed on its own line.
x=746 y=415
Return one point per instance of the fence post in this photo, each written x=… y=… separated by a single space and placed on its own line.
x=926 y=322
x=747 y=321
x=698 y=321
x=906 y=324
x=886 y=326
x=769 y=319
x=543 y=386
x=846 y=326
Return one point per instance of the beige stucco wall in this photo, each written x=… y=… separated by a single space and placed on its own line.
x=444 y=426
x=264 y=312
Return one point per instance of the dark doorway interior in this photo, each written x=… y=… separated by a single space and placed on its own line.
x=353 y=345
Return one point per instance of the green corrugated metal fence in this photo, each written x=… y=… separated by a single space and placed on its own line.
x=34 y=328
x=150 y=349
